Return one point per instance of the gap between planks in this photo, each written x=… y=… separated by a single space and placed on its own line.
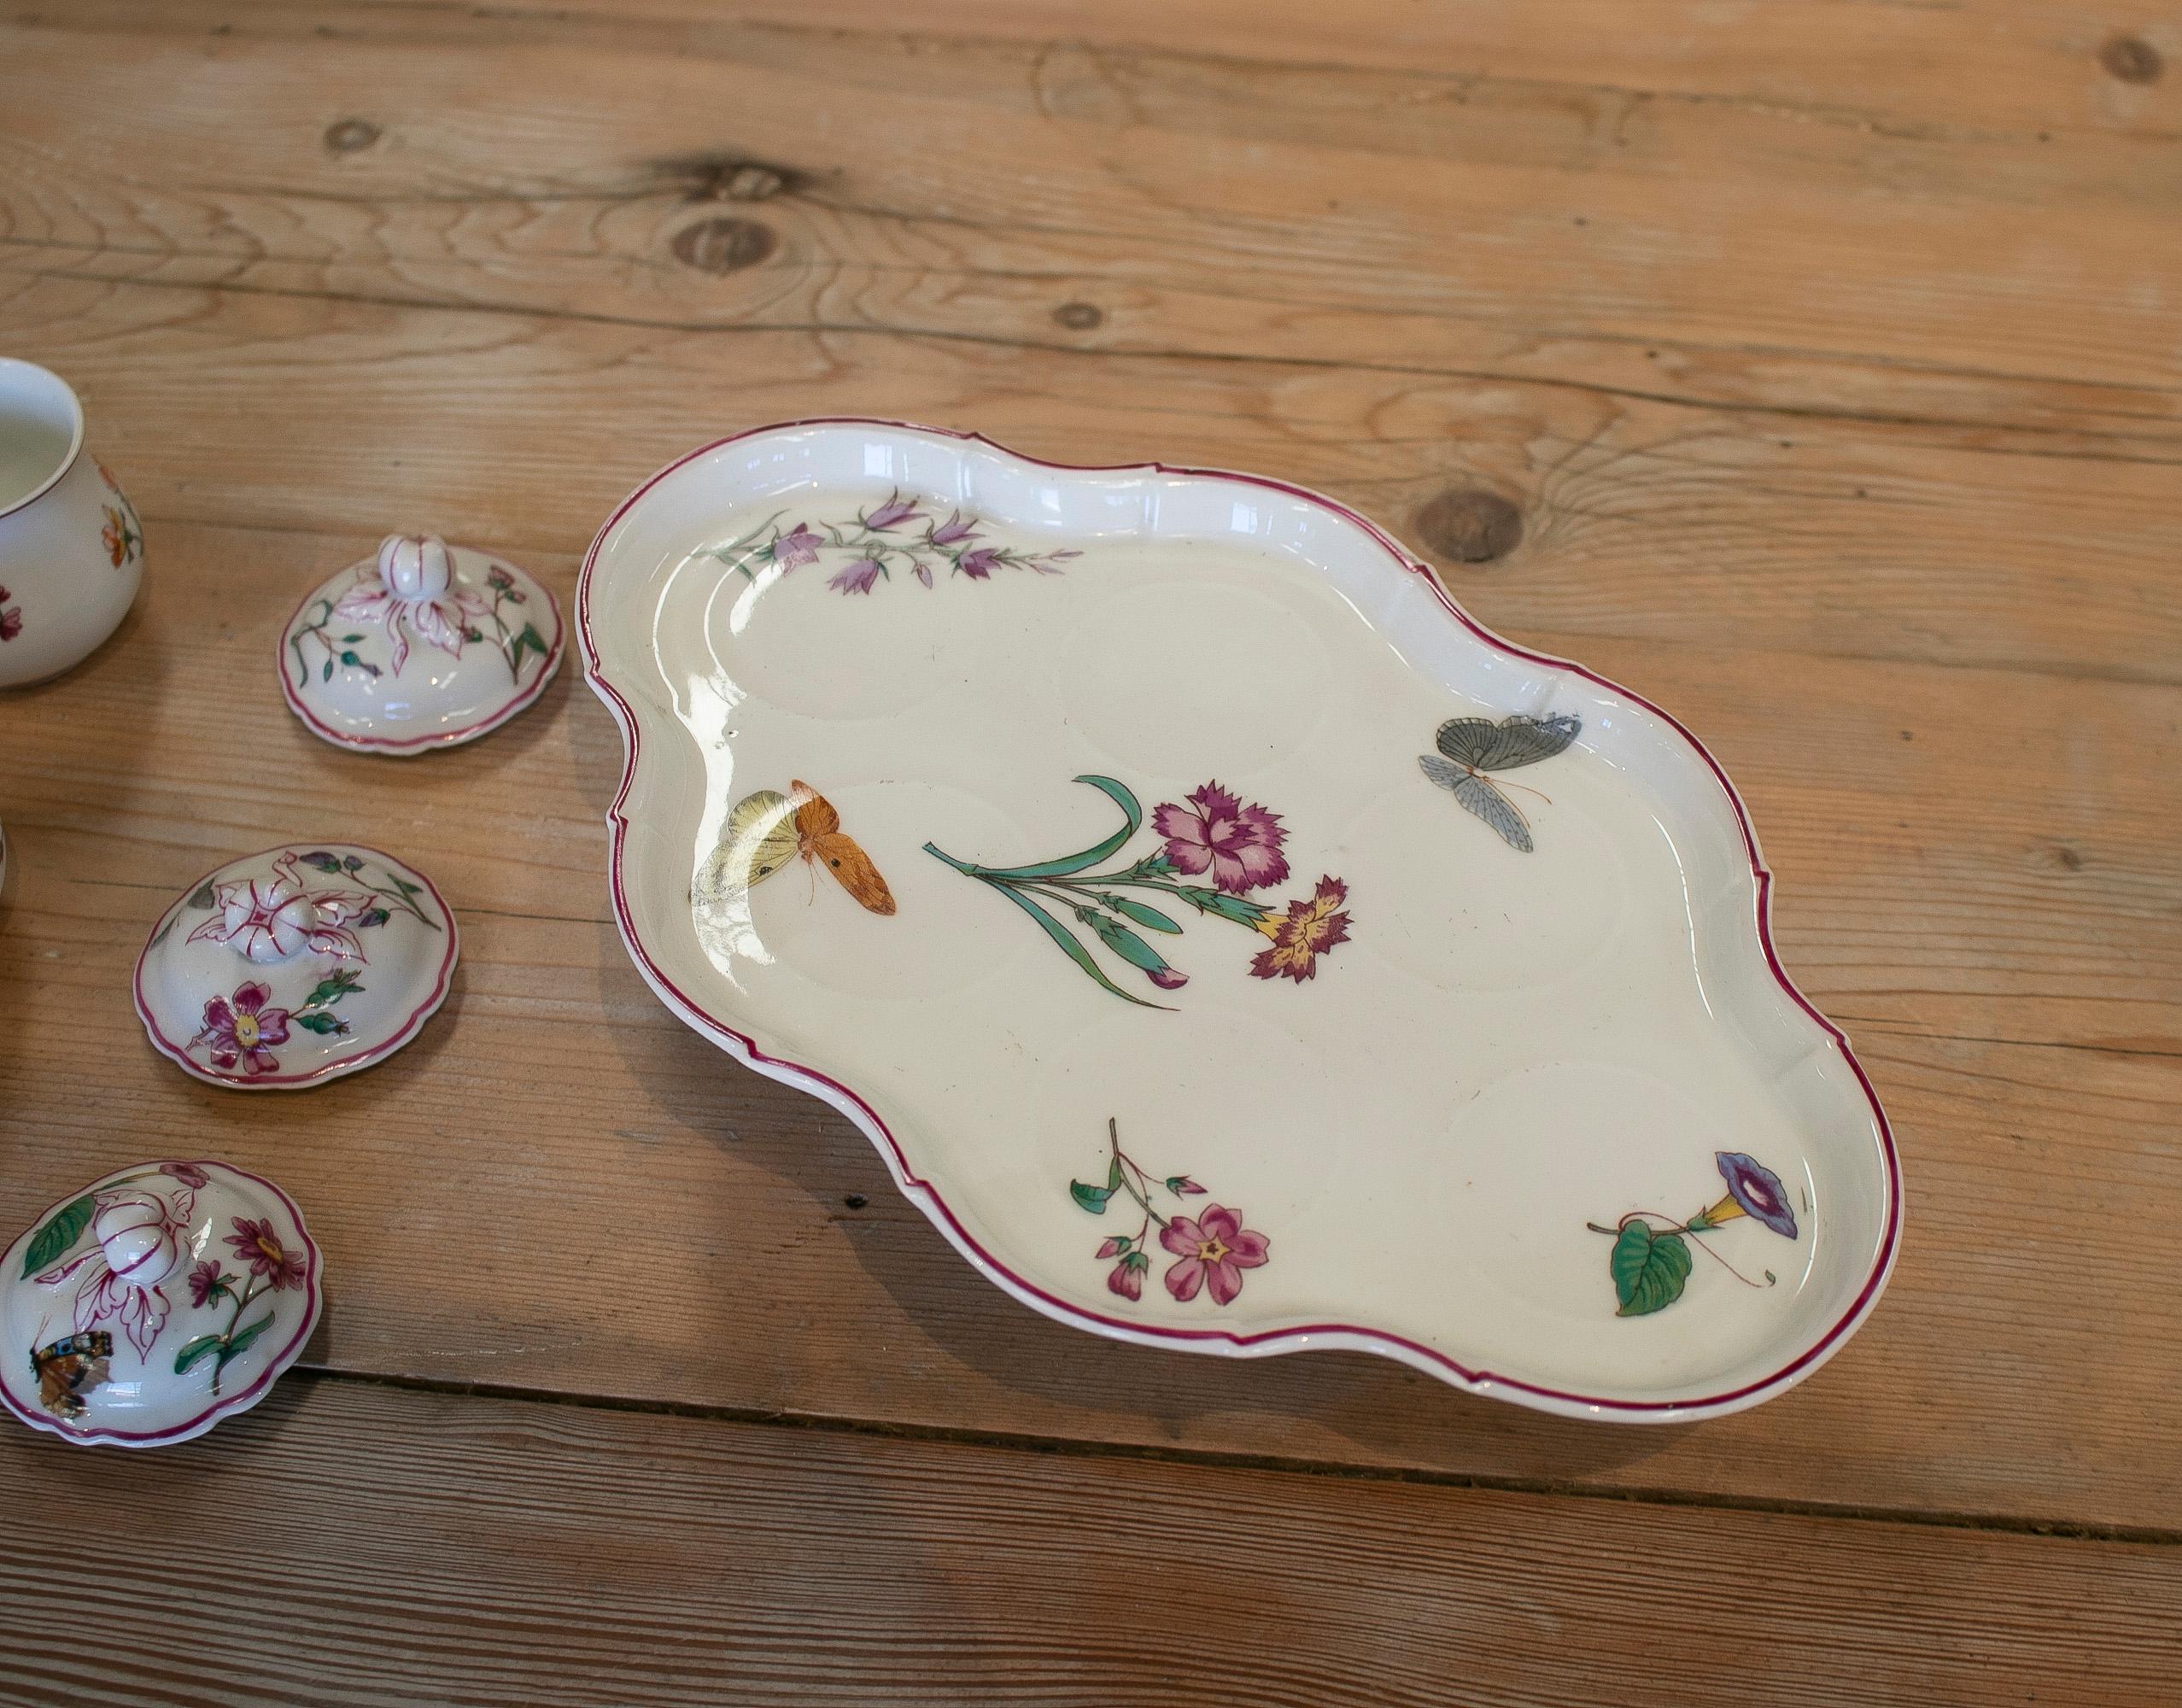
x=1078 y=1447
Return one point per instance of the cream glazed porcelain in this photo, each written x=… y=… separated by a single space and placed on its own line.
x=1227 y=943
x=156 y=1301
x=425 y=646
x=295 y=966
x=71 y=549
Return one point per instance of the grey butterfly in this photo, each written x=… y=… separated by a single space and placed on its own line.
x=1474 y=746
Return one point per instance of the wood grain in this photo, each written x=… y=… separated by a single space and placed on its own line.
x=1430 y=220
x=1811 y=368
x=394 y=1548
x=2011 y=981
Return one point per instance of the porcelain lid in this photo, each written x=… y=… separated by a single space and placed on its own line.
x=425 y=646
x=156 y=1301
x=297 y=965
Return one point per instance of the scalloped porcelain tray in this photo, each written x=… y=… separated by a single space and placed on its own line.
x=1226 y=942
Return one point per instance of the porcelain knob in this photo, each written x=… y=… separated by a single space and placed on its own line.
x=415 y=565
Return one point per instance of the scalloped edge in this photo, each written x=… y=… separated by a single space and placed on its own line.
x=1347 y=1336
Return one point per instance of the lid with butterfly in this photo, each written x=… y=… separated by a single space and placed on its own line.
x=149 y=1305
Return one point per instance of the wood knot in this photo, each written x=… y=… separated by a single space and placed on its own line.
x=855 y=1201
x=2132 y=59
x=350 y=135
x=717 y=177
x=1080 y=316
x=724 y=245
x=1470 y=525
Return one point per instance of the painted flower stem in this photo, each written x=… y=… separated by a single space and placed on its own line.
x=1140 y=1186
x=1694 y=1228
x=1234 y=847
x=250 y=1290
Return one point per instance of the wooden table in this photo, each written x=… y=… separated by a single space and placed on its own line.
x=1813 y=367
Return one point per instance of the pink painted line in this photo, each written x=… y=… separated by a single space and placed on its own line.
x=934 y=1203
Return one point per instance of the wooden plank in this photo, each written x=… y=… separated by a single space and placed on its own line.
x=344 y=1544
x=2015 y=976
x=1452 y=222
x=1641 y=519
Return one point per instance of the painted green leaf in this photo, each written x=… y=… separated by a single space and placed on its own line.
x=325 y=1025
x=195 y=1350
x=239 y=1342
x=1127 y=945
x=1649 y=1269
x=531 y=637
x=1113 y=1174
x=326 y=675
x=333 y=987
x=62 y=1229
x=1222 y=905
x=1092 y=1198
x=1150 y=918
x=1070 y=864
x=1074 y=950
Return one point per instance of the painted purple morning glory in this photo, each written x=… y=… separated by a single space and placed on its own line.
x=1757 y=1191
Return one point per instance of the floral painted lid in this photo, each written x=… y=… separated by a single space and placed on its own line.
x=156 y=1301
x=425 y=646
x=295 y=966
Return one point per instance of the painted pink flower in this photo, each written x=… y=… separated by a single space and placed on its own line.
x=244 y=1029
x=1215 y=1250
x=205 y=1282
x=955 y=529
x=271 y=918
x=1309 y=929
x=1167 y=978
x=977 y=562
x=924 y=572
x=896 y=509
x=11 y=617
x=1239 y=844
x=139 y=1236
x=858 y=577
x=796 y=548
x=256 y=1244
x=1126 y=1278
x=411 y=589
x=188 y=1173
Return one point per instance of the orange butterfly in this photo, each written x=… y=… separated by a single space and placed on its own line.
x=764 y=831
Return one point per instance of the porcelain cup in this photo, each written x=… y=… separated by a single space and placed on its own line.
x=71 y=550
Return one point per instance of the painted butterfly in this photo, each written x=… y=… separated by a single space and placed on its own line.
x=1471 y=746
x=765 y=830
x=69 y=1369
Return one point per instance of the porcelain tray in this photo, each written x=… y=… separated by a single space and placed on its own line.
x=1225 y=941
